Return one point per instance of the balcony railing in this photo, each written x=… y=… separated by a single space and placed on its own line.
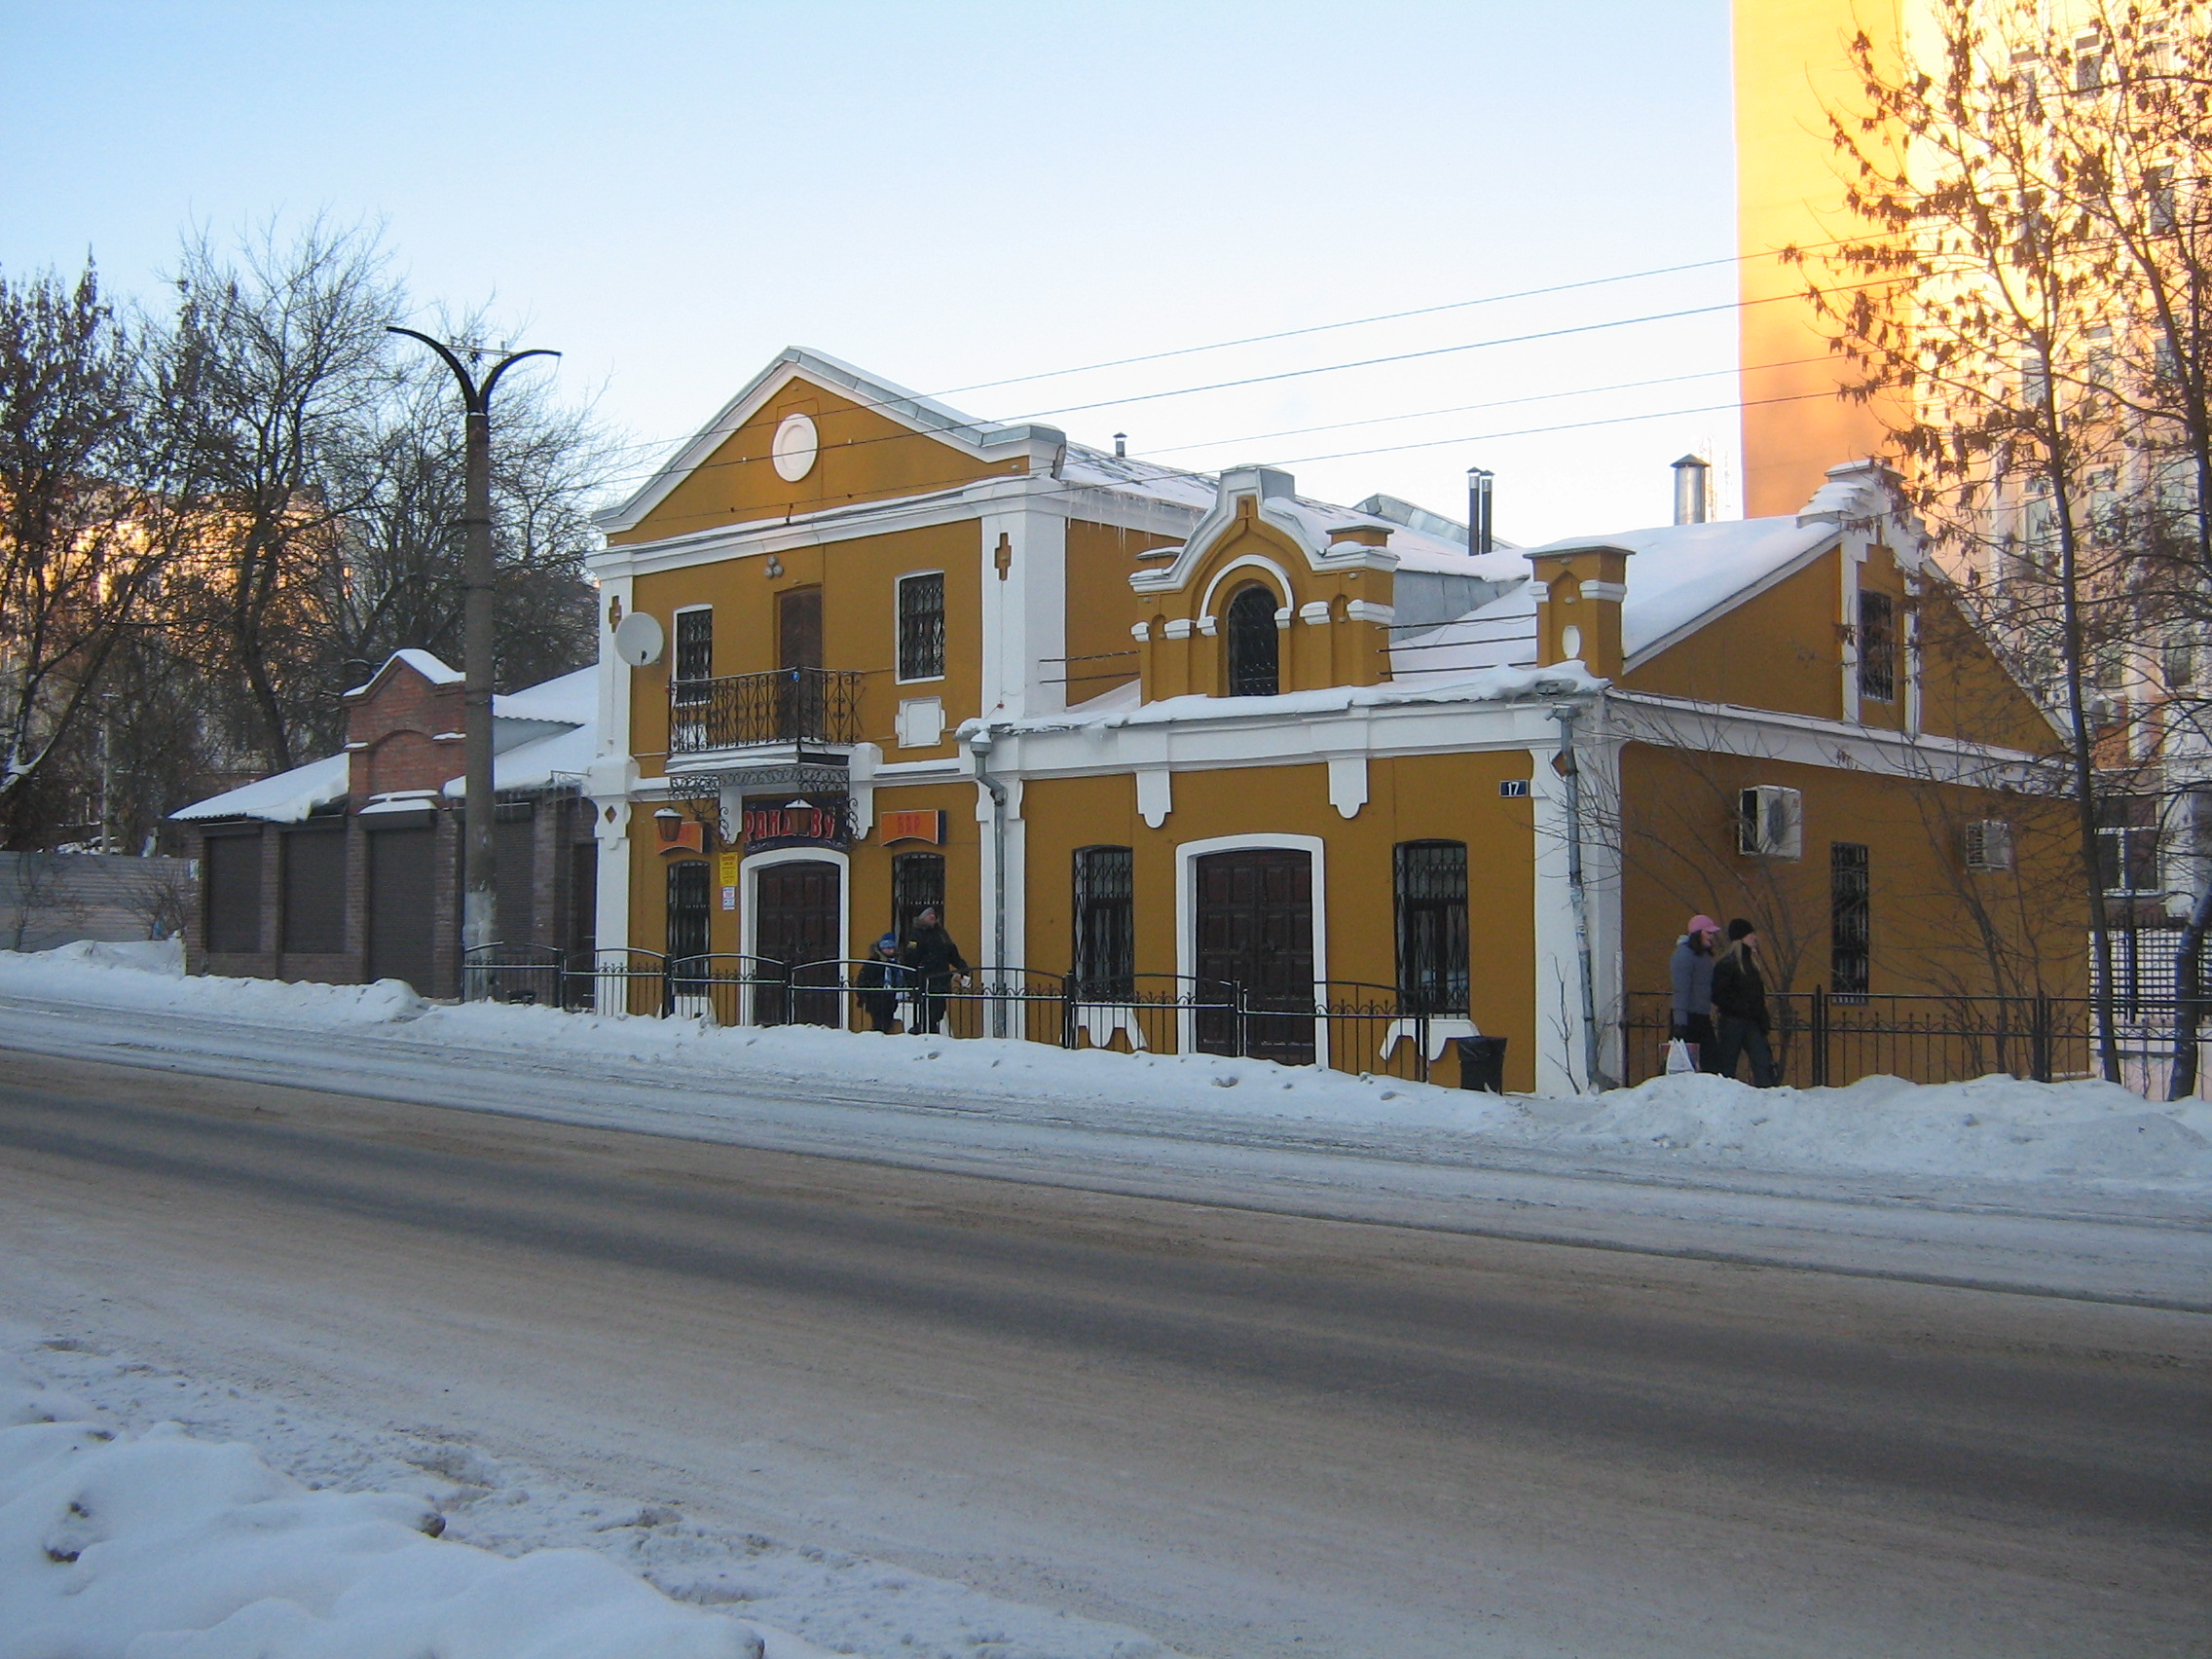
x=751 y=711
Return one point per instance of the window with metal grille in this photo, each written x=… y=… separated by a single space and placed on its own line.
x=694 y=653
x=2130 y=844
x=921 y=626
x=1877 y=647
x=917 y=884
x=1255 y=652
x=1105 y=923
x=1850 y=919
x=1432 y=926
x=688 y=915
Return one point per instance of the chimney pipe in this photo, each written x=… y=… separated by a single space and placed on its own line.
x=1121 y=446
x=1478 y=510
x=1690 y=499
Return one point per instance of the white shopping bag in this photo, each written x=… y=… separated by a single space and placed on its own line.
x=1681 y=1056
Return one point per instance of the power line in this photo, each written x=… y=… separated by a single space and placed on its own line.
x=1296 y=333
x=1334 y=368
x=1070 y=489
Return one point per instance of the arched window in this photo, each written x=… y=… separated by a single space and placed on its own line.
x=1254 y=652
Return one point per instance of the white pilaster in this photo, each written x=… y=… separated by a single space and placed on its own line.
x=1025 y=610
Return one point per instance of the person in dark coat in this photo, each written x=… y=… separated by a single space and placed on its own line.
x=882 y=977
x=931 y=959
x=1738 y=1003
x=1691 y=971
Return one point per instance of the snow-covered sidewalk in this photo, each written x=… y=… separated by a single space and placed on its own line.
x=2079 y=1187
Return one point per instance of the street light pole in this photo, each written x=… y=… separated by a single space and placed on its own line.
x=479 y=916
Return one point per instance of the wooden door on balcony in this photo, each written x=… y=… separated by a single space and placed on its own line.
x=1255 y=928
x=798 y=908
x=799 y=652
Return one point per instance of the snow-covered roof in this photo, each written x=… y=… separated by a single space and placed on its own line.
x=1681 y=573
x=1505 y=685
x=1680 y=577
x=544 y=733
x=538 y=763
x=1098 y=471
x=572 y=699
x=287 y=798
x=430 y=668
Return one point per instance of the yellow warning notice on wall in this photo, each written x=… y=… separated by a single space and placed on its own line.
x=728 y=870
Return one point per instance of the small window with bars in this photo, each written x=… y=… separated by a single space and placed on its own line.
x=1432 y=883
x=1877 y=647
x=1105 y=924
x=917 y=884
x=1851 y=932
x=921 y=626
x=694 y=653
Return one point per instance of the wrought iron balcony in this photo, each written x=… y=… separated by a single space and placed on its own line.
x=788 y=707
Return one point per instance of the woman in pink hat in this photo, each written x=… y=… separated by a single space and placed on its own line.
x=1691 y=969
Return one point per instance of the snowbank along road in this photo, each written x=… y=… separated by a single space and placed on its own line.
x=1241 y=1433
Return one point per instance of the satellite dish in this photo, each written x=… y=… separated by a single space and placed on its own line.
x=638 y=639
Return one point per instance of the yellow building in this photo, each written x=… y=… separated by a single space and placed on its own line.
x=1166 y=734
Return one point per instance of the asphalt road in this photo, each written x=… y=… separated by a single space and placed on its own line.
x=1248 y=1434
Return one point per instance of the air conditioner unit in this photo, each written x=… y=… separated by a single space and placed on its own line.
x=1989 y=844
x=1770 y=823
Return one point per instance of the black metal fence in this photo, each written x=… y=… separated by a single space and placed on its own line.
x=1346 y=1026
x=743 y=711
x=1820 y=1037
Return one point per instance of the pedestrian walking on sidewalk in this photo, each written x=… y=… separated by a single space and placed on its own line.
x=1739 y=1002
x=1691 y=970
x=879 y=981
x=932 y=959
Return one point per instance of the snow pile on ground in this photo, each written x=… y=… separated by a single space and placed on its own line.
x=1994 y=1128
x=162 y=1546
x=150 y=974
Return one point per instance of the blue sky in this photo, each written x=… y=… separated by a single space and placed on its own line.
x=951 y=194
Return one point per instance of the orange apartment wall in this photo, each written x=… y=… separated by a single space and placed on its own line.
x=1441 y=796
x=1791 y=67
x=864 y=457
x=859 y=580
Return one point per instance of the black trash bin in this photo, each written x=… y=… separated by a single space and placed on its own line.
x=1482 y=1064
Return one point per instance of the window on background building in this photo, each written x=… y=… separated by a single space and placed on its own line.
x=1255 y=644
x=1105 y=923
x=694 y=653
x=921 y=626
x=2180 y=660
x=2129 y=845
x=1851 y=933
x=1431 y=883
x=1877 y=646
x=917 y=884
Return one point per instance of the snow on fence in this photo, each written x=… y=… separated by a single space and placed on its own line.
x=1822 y=1037
x=1345 y=1025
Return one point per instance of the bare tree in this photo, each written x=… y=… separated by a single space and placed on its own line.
x=82 y=539
x=1995 y=314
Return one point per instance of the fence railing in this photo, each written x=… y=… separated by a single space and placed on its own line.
x=1820 y=1037
x=746 y=711
x=1343 y=1025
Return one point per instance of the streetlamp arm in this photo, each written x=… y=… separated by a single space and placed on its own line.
x=506 y=364
x=469 y=395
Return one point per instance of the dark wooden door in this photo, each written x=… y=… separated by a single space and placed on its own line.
x=799 y=652
x=1255 y=927
x=797 y=908
x=402 y=911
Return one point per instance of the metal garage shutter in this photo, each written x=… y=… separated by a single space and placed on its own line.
x=401 y=908
x=514 y=849
x=233 y=893
x=314 y=891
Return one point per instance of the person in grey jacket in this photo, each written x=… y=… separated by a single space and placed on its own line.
x=1691 y=970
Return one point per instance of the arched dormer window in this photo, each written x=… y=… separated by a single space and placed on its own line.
x=1254 y=648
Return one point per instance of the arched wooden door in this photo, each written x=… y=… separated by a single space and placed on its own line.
x=1255 y=928
x=797 y=919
